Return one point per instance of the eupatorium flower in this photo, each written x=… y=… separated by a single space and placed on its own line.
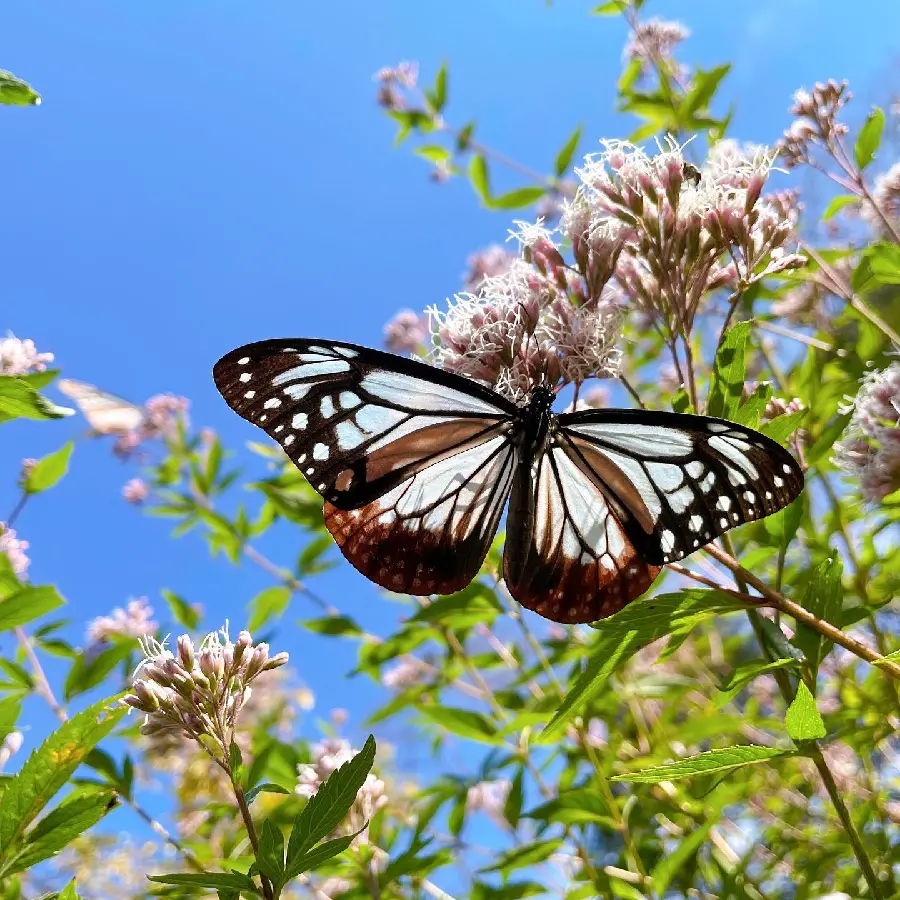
x=870 y=446
x=406 y=332
x=886 y=197
x=488 y=263
x=14 y=549
x=816 y=122
x=18 y=357
x=392 y=83
x=653 y=41
x=199 y=691
x=489 y=797
x=135 y=490
x=132 y=622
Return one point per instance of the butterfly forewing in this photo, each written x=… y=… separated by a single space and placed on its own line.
x=683 y=479
x=105 y=413
x=357 y=422
x=568 y=555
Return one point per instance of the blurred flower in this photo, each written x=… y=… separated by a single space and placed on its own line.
x=132 y=622
x=27 y=468
x=816 y=122
x=335 y=886
x=488 y=263
x=328 y=756
x=393 y=81
x=489 y=797
x=11 y=745
x=776 y=406
x=306 y=699
x=18 y=357
x=653 y=42
x=406 y=332
x=164 y=411
x=404 y=674
x=339 y=717
x=886 y=197
x=596 y=735
x=135 y=490
x=569 y=865
x=199 y=691
x=870 y=446
x=124 y=868
x=14 y=549
x=597 y=397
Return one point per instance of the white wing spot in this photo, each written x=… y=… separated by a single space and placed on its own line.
x=272 y=403
x=279 y=429
x=779 y=482
x=681 y=499
x=301 y=459
x=346 y=351
x=723 y=522
x=737 y=518
x=723 y=503
x=327 y=406
x=768 y=495
x=297 y=391
x=694 y=468
x=695 y=524
x=243 y=360
x=718 y=427
x=263 y=417
x=348 y=400
x=310 y=470
x=320 y=451
x=696 y=542
x=299 y=421
x=786 y=469
x=707 y=484
x=736 y=477
x=348 y=435
x=289 y=440
x=667 y=541
x=249 y=395
x=665 y=475
x=750 y=497
x=245 y=377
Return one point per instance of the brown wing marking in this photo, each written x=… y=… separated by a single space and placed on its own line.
x=578 y=563
x=431 y=533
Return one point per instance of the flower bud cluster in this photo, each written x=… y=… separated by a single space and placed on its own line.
x=135 y=621
x=199 y=691
x=653 y=43
x=14 y=549
x=816 y=122
x=18 y=357
x=394 y=82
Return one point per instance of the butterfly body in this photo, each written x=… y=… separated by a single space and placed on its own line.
x=416 y=466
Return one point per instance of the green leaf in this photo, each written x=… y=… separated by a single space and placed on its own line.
x=728 y=373
x=824 y=598
x=19 y=400
x=473 y=604
x=49 y=470
x=746 y=672
x=782 y=526
x=326 y=809
x=50 y=766
x=517 y=199
x=10 y=709
x=270 y=858
x=72 y=817
x=334 y=625
x=310 y=561
x=511 y=890
x=267 y=605
x=15 y=92
x=708 y=763
x=512 y=809
x=564 y=157
x=869 y=138
x=462 y=722
x=681 y=403
x=611 y=8
x=235 y=762
x=232 y=881
x=879 y=265
x=68 y=892
x=836 y=204
x=28 y=604
x=266 y=788
x=478 y=175
x=579 y=807
x=325 y=851
x=669 y=866
x=90 y=668
x=627 y=632
x=438 y=96
x=184 y=613
x=704 y=86
x=520 y=857
x=782 y=427
x=802 y=719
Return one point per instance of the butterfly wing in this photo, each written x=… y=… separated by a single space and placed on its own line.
x=415 y=463
x=568 y=556
x=679 y=480
x=105 y=413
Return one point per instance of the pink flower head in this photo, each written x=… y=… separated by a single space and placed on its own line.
x=393 y=84
x=886 y=200
x=653 y=42
x=163 y=413
x=135 y=490
x=406 y=332
x=18 y=357
x=14 y=549
x=816 y=123
x=488 y=263
x=132 y=622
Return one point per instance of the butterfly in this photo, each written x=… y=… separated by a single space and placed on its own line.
x=416 y=465
x=105 y=413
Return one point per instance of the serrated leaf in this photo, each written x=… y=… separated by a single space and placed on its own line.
x=630 y=630
x=267 y=605
x=836 y=204
x=326 y=809
x=802 y=719
x=10 y=709
x=27 y=604
x=782 y=427
x=512 y=809
x=746 y=672
x=824 y=597
x=480 y=178
x=15 y=92
x=50 y=766
x=71 y=818
x=333 y=625
x=517 y=199
x=229 y=881
x=729 y=370
x=611 y=8
x=310 y=561
x=270 y=858
x=267 y=787
x=564 y=157
x=782 y=526
x=19 y=399
x=184 y=613
x=522 y=857
x=318 y=855
x=90 y=668
x=869 y=138
x=462 y=722
x=708 y=763
x=49 y=470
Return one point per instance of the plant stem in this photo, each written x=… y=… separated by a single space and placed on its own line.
x=243 y=806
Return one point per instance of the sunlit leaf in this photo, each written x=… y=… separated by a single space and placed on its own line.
x=49 y=470
x=802 y=719
x=869 y=138
x=704 y=764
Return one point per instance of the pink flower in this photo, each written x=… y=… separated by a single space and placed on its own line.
x=488 y=263
x=163 y=413
x=393 y=84
x=654 y=41
x=406 y=332
x=886 y=196
x=132 y=622
x=14 y=549
x=406 y=673
x=18 y=357
x=135 y=490
x=489 y=797
x=816 y=123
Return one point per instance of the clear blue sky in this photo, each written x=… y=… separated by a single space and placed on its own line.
x=203 y=174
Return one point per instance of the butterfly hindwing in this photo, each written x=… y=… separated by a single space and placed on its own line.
x=358 y=422
x=105 y=413
x=683 y=479
x=568 y=556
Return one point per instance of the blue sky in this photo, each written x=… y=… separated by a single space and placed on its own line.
x=203 y=174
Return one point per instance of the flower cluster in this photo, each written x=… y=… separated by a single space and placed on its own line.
x=870 y=446
x=489 y=797
x=393 y=82
x=199 y=691
x=135 y=490
x=162 y=415
x=816 y=122
x=653 y=42
x=18 y=357
x=407 y=332
x=132 y=622
x=328 y=756
x=885 y=201
x=404 y=674
x=488 y=263
x=14 y=549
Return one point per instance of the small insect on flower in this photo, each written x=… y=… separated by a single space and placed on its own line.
x=416 y=464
